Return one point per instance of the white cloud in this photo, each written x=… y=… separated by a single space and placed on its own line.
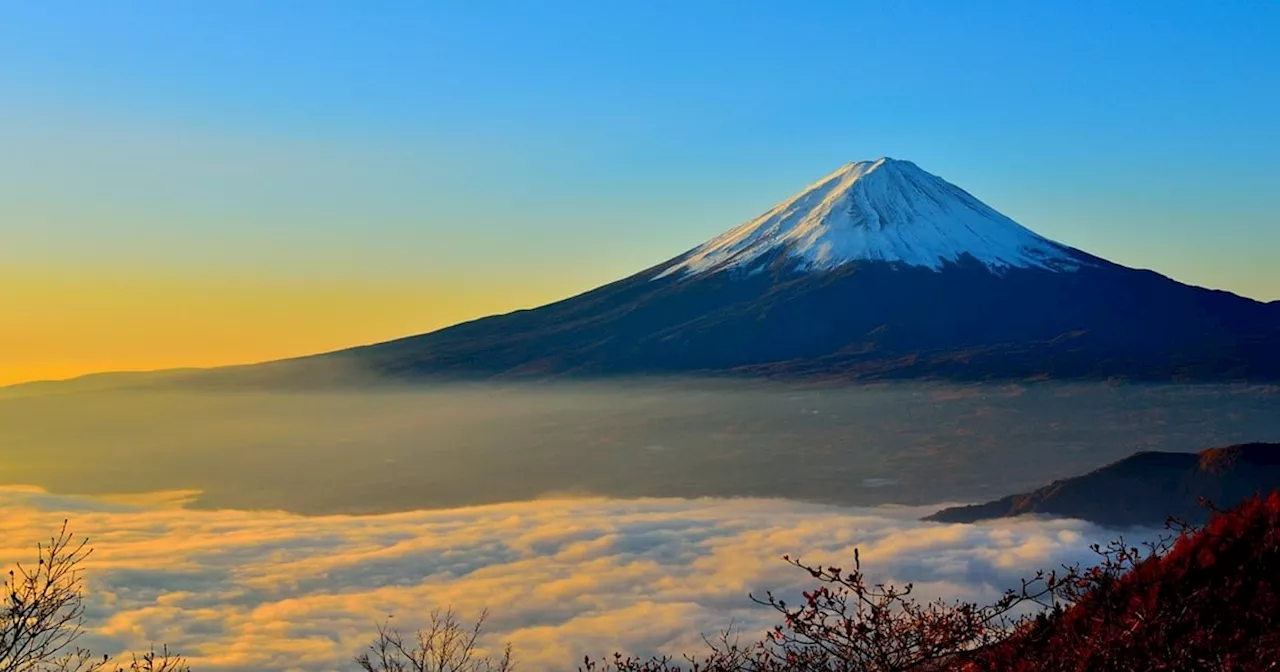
x=242 y=590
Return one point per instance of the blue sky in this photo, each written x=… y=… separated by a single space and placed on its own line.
x=526 y=150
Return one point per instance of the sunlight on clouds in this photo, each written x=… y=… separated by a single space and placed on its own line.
x=243 y=590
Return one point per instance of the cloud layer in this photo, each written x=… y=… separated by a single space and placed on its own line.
x=244 y=590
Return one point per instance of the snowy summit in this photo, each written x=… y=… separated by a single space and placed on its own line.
x=884 y=210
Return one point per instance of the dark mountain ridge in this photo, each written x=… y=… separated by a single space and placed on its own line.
x=865 y=319
x=1144 y=489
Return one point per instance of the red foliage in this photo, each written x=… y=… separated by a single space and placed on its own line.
x=1212 y=602
x=1208 y=599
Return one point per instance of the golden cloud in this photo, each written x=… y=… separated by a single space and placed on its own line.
x=262 y=590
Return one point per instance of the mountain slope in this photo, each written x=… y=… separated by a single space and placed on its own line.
x=883 y=210
x=878 y=270
x=1143 y=489
x=1211 y=602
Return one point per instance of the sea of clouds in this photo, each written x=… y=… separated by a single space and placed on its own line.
x=561 y=578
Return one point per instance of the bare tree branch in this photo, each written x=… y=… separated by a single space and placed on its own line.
x=443 y=645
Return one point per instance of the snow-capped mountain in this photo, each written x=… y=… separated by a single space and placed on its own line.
x=883 y=210
x=878 y=270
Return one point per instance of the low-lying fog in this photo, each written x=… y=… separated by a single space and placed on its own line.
x=382 y=450
x=631 y=545
x=241 y=591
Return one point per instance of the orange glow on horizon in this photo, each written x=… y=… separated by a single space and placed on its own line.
x=58 y=326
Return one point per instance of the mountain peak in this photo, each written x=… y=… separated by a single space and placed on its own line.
x=882 y=162
x=886 y=210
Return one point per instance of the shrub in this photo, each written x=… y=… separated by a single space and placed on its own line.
x=1208 y=601
x=1197 y=599
x=444 y=645
x=43 y=616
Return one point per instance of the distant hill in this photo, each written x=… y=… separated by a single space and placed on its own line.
x=1143 y=489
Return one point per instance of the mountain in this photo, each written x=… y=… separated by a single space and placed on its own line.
x=885 y=210
x=878 y=270
x=1143 y=489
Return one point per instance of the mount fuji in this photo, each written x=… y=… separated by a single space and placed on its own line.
x=878 y=270
x=884 y=210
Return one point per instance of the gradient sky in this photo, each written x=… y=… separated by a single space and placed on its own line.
x=206 y=183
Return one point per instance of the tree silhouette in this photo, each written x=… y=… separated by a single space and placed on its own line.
x=444 y=645
x=43 y=616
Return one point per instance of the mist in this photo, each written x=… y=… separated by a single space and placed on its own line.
x=270 y=529
x=384 y=449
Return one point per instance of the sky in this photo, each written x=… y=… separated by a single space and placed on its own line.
x=187 y=184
